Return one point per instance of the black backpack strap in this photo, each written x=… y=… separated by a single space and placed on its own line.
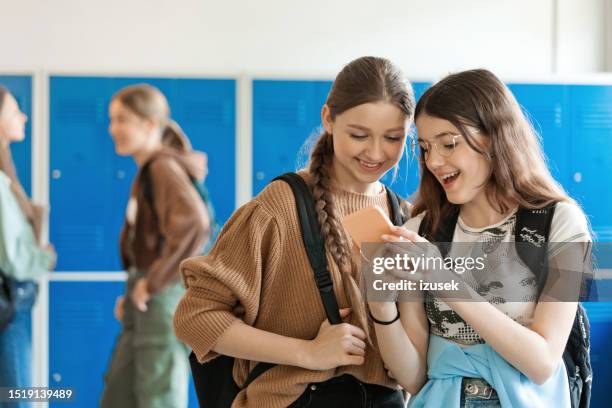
x=315 y=249
x=443 y=236
x=533 y=227
x=314 y=243
x=397 y=215
x=258 y=370
x=146 y=183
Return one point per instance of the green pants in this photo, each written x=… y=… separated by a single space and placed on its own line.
x=149 y=367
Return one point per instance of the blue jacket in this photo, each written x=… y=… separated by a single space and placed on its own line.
x=448 y=363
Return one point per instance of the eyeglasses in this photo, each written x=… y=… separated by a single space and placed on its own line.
x=445 y=146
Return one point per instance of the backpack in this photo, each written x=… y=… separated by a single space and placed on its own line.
x=213 y=380
x=576 y=356
x=7 y=308
x=202 y=191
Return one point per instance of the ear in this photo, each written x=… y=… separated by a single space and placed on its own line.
x=326 y=119
x=150 y=123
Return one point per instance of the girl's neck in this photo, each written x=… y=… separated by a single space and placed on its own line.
x=4 y=141
x=143 y=155
x=480 y=212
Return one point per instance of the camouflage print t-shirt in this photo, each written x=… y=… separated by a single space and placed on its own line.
x=568 y=225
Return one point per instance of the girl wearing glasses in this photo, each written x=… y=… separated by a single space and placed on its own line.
x=481 y=161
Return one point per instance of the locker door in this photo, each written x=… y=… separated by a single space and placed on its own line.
x=206 y=110
x=82 y=333
x=546 y=106
x=86 y=211
x=406 y=182
x=21 y=88
x=590 y=142
x=285 y=115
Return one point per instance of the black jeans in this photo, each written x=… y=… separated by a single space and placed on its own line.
x=347 y=391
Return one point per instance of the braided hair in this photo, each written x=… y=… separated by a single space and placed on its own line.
x=364 y=80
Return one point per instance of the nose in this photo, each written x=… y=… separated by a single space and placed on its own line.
x=434 y=159
x=375 y=150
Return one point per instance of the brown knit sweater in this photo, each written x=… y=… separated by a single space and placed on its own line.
x=259 y=272
x=172 y=225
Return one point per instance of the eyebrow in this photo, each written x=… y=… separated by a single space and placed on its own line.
x=442 y=134
x=402 y=128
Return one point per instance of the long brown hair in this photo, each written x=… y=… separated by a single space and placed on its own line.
x=148 y=102
x=519 y=176
x=7 y=166
x=366 y=79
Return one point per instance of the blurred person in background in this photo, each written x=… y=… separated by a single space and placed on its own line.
x=166 y=221
x=23 y=257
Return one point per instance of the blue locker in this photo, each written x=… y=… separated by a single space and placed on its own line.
x=590 y=141
x=86 y=176
x=407 y=180
x=547 y=108
x=21 y=88
x=206 y=110
x=285 y=114
x=82 y=332
x=90 y=183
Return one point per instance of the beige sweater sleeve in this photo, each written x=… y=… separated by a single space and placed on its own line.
x=226 y=284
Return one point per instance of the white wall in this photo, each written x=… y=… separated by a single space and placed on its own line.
x=315 y=37
x=581 y=35
x=608 y=33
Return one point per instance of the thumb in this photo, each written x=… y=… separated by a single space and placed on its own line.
x=142 y=306
x=345 y=312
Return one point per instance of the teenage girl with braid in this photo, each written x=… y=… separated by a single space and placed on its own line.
x=254 y=296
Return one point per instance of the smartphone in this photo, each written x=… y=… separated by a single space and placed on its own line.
x=367 y=225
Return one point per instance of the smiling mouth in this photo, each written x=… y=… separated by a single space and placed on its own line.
x=370 y=166
x=448 y=179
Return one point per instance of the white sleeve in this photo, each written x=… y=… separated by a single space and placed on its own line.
x=569 y=224
x=414 y=223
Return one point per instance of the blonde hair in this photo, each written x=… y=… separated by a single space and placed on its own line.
x=149 y=102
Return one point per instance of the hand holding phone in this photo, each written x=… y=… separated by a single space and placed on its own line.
x=367 y=225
